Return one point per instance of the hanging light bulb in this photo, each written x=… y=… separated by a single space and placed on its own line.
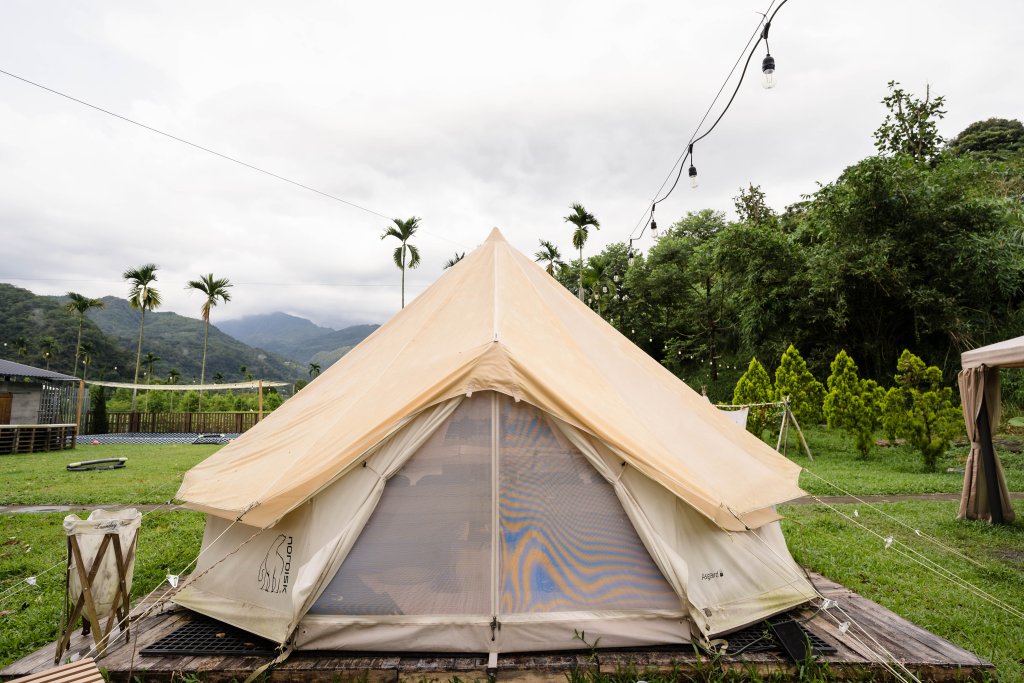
x=625 y=297
x=768 y=80
x=615 y=278
x=604 y=289
x=768 y=63
x=631 y=258
x=693 y=171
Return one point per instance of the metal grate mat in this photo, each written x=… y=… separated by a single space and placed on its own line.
x=205 y=636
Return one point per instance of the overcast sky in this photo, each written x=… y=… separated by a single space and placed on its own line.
x=468 y=114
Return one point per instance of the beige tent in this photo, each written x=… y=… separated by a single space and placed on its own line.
x=492 y=469
x=985 y=495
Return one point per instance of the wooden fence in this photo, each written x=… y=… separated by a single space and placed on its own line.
x=170 y=423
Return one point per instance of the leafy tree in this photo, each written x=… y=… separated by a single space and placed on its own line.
x=80 y=305
x=755 y=386
x=919 y=408
x=911 y=126
x=142 y=297
x=299 y=384
x=752 y=208
x=851 y=403
x=214 y=289
x=406 y=255
x=995 y=138
x=218 y=378
x=794 y=379
x=583 y=220
x=453 y=260
x=549 y=253
x=314 y=370
x=48 y=348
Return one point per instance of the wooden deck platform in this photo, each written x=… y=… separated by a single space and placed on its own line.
x=928 y=656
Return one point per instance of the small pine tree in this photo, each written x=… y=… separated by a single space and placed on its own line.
x=755 y=386
x=920 y=409
x=794 y=379
x=852 y=404
x=98 y=401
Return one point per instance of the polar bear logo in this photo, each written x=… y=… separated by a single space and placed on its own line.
x=273 y=574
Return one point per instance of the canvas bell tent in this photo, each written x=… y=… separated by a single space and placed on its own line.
x=490 y=471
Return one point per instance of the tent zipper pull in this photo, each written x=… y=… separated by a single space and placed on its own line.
x=495 y=626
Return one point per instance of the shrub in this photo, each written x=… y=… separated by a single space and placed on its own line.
x=920 y=409
x=755 y=386
x=794 y=380
x=853 y=404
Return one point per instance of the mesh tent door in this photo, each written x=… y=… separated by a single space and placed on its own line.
x=496 y=518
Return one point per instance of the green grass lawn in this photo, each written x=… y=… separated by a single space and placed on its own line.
x=893 y=470
x=34 y=545
x=818 y=537
x=826 y=542
x=152 y=475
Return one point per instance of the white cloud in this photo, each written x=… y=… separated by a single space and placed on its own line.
x=467 y=114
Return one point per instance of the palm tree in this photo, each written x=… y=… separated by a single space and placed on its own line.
x=453 y=260
x=141 y=297
x=48 y=348
x=549 y=252
x=218 y=378
x=80 y=304
x=403 y=231
x=314 y=369
x=149 y=361
x=214 y=289
x=172 y=378
x=86 y=349
x=583 y=220
x=21 y=347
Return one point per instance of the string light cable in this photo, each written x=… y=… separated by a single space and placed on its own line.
x=764 y=25
x=682 y=155
x=192 y=144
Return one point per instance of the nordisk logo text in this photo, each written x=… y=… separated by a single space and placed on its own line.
x=276 y=566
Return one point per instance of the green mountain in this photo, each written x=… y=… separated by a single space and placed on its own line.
x=178 y=342
x=297 y=338
x=29 y=318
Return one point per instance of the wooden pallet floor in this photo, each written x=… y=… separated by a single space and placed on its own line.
x=929 y=656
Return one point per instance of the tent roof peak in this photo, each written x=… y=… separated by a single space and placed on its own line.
x=496 y=236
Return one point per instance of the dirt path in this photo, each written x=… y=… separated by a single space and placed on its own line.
x=806 y=500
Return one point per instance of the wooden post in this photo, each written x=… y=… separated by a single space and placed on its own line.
x=261 y=400
x=81 y=397
x=798 y=430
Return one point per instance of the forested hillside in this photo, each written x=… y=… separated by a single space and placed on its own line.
x=296 y=338
x=32 y=326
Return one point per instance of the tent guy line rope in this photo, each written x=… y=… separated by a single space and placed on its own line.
x=931 y=565
x=903 y=524
x=16 y=586
x=825 y=606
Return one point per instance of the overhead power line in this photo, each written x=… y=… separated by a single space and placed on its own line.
x=195 y=145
